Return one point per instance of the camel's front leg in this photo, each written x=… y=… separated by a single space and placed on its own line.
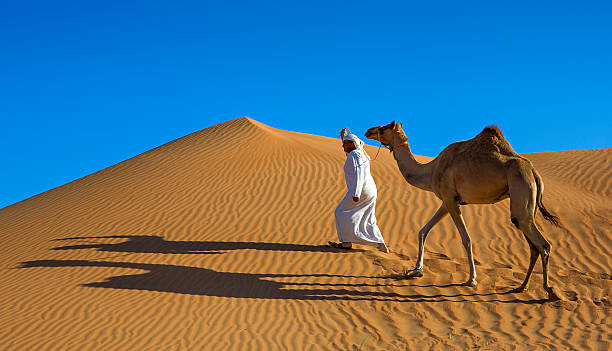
x=455 y=213
x=440 y=213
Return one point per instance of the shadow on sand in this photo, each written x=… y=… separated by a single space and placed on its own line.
x=207 y=282
x=157 y=244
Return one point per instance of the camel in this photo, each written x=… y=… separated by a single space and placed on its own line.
x=482 y=170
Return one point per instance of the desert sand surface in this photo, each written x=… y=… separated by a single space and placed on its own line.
x=217 y=241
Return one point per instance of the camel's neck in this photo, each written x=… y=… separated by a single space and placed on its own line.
x=415 y=173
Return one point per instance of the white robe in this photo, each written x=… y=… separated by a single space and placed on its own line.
x=356 y=221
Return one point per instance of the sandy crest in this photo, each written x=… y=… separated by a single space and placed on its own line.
x=215 y=242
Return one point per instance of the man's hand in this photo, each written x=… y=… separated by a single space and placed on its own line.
x=356 y=199
x=342 y=133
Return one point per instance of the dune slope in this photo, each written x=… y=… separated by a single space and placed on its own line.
x=216 y=241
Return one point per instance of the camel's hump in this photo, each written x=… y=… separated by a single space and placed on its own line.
x=492 y=136
x=492 y=131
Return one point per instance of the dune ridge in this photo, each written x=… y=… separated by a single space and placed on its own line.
x=216 y=241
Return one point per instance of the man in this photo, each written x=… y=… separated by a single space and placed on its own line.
x=355 y=216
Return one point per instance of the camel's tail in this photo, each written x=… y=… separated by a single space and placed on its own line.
x=547 y=214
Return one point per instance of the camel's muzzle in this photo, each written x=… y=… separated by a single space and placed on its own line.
x=372 y=133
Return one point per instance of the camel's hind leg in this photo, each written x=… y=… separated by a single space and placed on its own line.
x=532 y=261
x=543 y=246
x=523 y=191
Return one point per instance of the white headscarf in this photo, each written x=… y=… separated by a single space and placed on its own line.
x=355 y=139
x=362 y=156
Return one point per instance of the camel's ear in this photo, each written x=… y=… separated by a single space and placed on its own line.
x=393 y=124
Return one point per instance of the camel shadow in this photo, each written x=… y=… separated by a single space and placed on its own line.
x=198 y=281
x=207 y=282
x=157 y=244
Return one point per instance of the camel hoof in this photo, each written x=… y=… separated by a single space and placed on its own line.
x=554 y=294
x=415 y=273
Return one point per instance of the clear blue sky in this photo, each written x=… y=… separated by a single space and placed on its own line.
x=87 y=84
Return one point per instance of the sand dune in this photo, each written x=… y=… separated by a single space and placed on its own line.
x=215 y=242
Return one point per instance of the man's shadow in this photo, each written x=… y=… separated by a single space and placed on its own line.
x=157 y=244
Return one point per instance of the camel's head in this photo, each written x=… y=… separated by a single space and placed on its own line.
x=390 y=135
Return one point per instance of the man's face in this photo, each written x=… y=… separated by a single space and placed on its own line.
x=348 y=145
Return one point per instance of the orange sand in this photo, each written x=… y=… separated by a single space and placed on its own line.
x=214 y=242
